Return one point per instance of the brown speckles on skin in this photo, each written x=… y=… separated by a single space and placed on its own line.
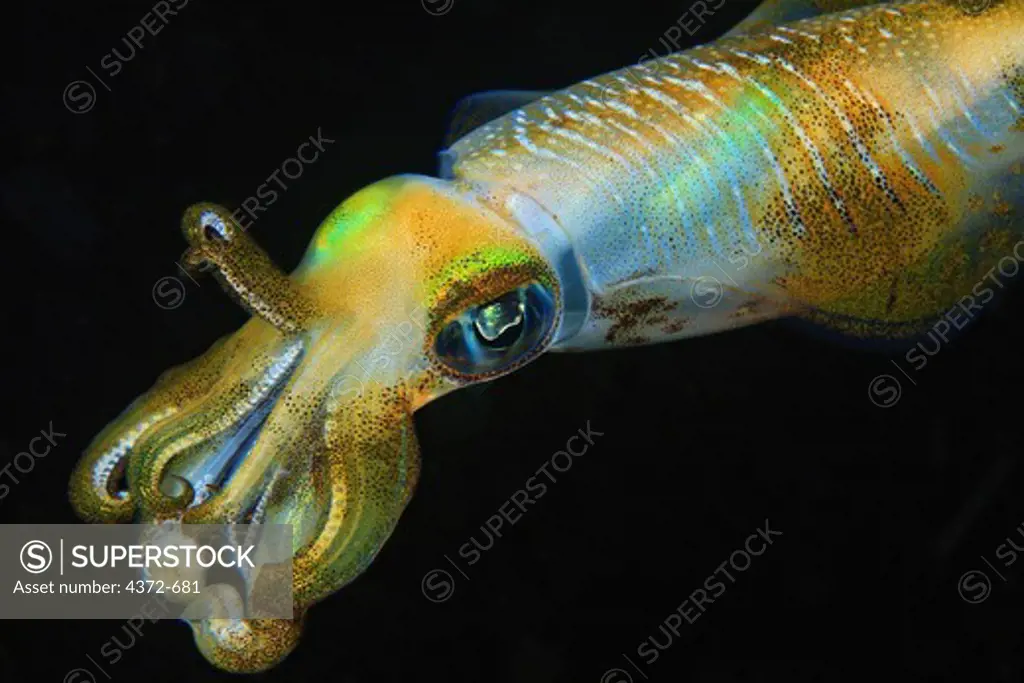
x=747 y=309
x=1017 y=169
x=975 y=202
x=1018 y=127
x=996 y=149
x=628 y=317
x=999 y=206
x=675 y=326
x=244 y=270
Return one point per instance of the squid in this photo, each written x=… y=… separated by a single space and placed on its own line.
x=851 y=164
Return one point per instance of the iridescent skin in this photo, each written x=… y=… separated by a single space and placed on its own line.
x=862 y=169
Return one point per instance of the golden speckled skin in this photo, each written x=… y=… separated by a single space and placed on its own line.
x=862 y=168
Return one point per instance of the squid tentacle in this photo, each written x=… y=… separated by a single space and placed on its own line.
x=244 y=270
x=94 y=491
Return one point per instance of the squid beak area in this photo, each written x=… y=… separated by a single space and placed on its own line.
x=346 y=507
x=273 y=440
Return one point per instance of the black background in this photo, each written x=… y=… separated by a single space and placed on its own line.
x=881 y=509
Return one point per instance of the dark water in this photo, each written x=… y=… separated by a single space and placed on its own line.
x=882 y=510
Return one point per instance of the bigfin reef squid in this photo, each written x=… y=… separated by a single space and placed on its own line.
x=855 y=165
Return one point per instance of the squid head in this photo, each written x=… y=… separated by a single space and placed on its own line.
x=410 y=289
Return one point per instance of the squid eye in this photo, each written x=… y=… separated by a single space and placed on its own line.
x=498 y=334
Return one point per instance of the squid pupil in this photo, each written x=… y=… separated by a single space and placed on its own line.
x=213 y=227
x=500 y=323
x=213 y=234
